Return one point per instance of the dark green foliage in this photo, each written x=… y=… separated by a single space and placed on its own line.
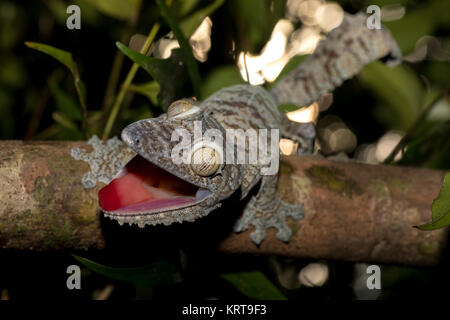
x=440 y=208
x=157 y=273
x=169 y=73
x=188 y=58
x=254 y=284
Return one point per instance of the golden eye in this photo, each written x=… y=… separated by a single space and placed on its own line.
x=178 y=107
x=205 y=160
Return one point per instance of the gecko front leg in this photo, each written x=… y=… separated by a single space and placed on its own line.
x=266 y=209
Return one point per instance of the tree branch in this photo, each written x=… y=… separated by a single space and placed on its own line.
x=354 y=211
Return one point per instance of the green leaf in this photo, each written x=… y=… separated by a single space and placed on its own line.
x=254 y=284
x=220 y=77
x=62 y=56
x=191 y=23
x=167 y=72
x=150 y=90
x=430 y=147
x=438 y=72
x=191 y=64
x=288 y=107
x=119 y=9
x=399 y=88
x=157 y=273
x=441 y=205
x=440 y=208
x=184 y=7
x=64 y=102
x=66 y=59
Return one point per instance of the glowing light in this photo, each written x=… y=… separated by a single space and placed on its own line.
x=366 y=153
x=329 y=16
x=275 y=48
x=316 y=15
x=420 y=53
x=137 y=41
x=314 y=275
x=307 y=11
x=343 y=140
x=288 y=147
x=200 y=40
x=165 y=45
x=250 y=67
x=271 y=71
x=335 y=136
x=304 y=41
x=392 y=12
x=271 y=61
x=386 y=144
x=434 y=48
x=305 y=115
x=292 y=7
x=441 y=111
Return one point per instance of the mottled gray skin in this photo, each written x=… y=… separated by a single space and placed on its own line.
x=251 y=107
x=237 y=107
x=340 y=57
x=105 y=160
x=151 y=138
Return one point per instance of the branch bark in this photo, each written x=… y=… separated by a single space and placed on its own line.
x=354 y=211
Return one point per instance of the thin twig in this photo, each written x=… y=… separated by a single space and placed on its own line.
x=81 y=91
x=113 y=78
x=409 y=134
x=126 y=84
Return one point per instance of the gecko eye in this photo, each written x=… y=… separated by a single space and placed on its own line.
x=206 y=158
x=181 y=108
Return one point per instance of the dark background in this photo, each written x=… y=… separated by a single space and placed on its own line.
x=28 y=103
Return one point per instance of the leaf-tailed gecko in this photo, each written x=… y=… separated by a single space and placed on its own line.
x=153 y=189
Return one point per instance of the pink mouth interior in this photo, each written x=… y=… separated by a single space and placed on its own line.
x=144 y=187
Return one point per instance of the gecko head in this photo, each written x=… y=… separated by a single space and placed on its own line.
x=178 y=173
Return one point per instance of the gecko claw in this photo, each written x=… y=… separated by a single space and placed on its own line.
x=264 y=217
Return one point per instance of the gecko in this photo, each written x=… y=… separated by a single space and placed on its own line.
x=154 y=189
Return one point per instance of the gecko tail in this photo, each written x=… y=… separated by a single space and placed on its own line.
x=342 y=55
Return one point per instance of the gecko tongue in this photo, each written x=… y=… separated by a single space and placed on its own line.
x=143 y=187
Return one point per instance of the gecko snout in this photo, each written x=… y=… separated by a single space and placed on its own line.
x=130 y=136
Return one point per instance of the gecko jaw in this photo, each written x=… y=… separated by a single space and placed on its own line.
x=144 y=188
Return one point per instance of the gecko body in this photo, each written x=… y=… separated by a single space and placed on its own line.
x=154 y=189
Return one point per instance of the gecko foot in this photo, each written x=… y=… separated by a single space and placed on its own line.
x=265 y=214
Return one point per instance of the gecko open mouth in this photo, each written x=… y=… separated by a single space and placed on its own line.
x=142 y=187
